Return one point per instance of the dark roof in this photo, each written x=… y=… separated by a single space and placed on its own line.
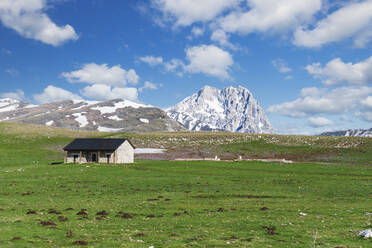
x=95 y=144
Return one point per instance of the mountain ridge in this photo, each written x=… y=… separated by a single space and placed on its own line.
x=350 y=133
x=106 y=116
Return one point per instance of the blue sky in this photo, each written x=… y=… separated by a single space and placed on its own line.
x=307 y=62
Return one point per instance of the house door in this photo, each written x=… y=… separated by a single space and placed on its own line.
x=108 y=155
x=94 y=157
x=75 y=157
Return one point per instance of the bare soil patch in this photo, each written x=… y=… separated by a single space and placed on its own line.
x=80 y=242
x=270 y=230
x=82 y=212
x=102 y=213
x=48 y=223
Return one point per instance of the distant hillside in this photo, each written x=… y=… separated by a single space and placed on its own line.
x=350 y=132
x=110 y=116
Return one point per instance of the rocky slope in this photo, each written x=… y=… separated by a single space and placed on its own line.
x=230 y=109
x=110 y=116
x=350 y=132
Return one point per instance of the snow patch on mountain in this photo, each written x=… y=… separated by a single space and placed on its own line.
x=49 y=123
x=9 y=104
x=119 y=105
x=230 y=109
x=82 y=119
x=144 y=120
x=115 y=118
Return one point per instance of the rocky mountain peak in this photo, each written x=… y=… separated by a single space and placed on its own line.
x=230 y=109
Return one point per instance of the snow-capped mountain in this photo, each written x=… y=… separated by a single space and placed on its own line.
x=109 y=116
x=230 y=109
x=350 y=132
x=9 y=104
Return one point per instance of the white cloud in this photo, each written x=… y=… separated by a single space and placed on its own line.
x=106 y=92
x=6 y=51
x=187 y=12
x=12 y=71
x=209 y=60
x=319 y=122
x=55 y=94
x=366 y=116
x=196 y=31
x=315 y=101
x=313 y=91
x=336 y=71
x=18 y=95
x=270 y=16
x=102 y=74
x=149 y=86
x=26 y=17
x=351 y=20
x=281 y=66
x=366 y=103
x=151 y=60
x=222 y=38
x=174 y=64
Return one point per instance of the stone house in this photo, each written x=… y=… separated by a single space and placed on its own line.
x=116 y=151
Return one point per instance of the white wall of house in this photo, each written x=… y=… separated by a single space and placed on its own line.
x=124 y=154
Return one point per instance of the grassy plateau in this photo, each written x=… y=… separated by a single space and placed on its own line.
x=323 y=199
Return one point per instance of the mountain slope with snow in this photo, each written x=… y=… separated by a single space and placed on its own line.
x=109 y=116
x=9 y=104
x=350 y=133
x=230 y=109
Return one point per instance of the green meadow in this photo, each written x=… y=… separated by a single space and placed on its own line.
x=321 y=200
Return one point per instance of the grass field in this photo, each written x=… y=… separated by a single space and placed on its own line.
x=181 y=204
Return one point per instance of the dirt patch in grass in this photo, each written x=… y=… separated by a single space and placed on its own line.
x=53 y=211
x=82 y=212
x=253 y=196
x=62 y=218
x=28 y=193
x=264 y=209
x=102 y=213
x=124 y=215
x=80 y=242
x=48 y=223
x=270 y=230
x=31 y=212
x=204 y=196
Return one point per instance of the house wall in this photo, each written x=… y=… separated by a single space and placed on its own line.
x=124 y=153
x=102 y=158
x=69 y=158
